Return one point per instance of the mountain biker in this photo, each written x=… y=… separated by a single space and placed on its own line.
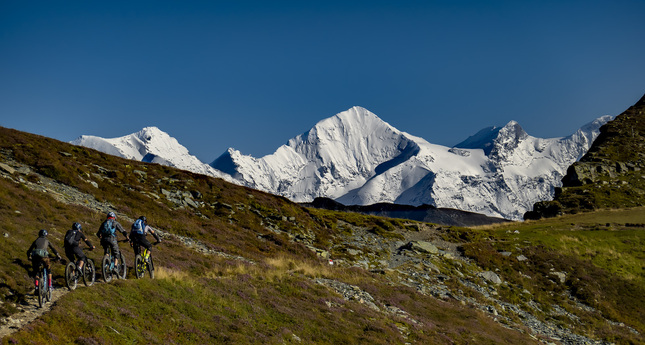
x=107 y=234
x=73 y=238
x=38 y=255
x=138 y=235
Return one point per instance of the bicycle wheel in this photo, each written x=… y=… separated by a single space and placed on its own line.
x=41 y=291
x=139 y=267
x=89 y=273
x=151 y=267
x=123 y=268
x=70 y=276
x=105 y=267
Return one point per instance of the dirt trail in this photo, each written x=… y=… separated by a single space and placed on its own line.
x=29 y=312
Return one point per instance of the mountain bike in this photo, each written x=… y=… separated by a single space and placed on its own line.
x=143 y=262
x=72 y=276
x=43 y=290
x=108 y=268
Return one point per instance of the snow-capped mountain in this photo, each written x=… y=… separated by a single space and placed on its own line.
x=150 y=145
x=356 y=158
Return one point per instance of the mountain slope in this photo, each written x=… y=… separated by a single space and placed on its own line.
x=238 y=265
x=356 y=158
x=610 y=174
x=149 y=145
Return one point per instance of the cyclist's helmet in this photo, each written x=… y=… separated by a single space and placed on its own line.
x=111 y=215
x=42 y=233
x=76 y=226
x=144 y=219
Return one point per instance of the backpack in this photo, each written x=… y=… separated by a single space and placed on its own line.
x=43 y=253
x=137 y=227
x=70 y=239
x=107 y=228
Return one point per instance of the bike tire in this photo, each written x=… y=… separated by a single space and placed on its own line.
x=41 y=292
x=151 y=268
x=70 y=279
x=89 y=273
x=139 y=268
x=105 y=267
x=123 y=267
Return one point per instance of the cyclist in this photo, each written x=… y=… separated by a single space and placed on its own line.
x=138 y=235
x=107 y=234
x=38 y=255
x=73 y=238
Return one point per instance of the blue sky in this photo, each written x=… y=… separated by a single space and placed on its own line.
x=251 y=75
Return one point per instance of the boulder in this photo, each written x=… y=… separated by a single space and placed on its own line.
x=491 y=277
x=422 y=247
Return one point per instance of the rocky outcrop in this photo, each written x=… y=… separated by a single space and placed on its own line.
x=610 y=175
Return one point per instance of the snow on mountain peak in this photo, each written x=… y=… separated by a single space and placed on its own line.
x=357 y=158
x=150 y=145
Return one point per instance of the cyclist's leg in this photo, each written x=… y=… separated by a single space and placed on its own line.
x=115 y=251
x=81 y=258
x=145 y=243
x=106 y=246
x=35 y=268
x=136 y=243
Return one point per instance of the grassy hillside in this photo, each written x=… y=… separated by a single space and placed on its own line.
x=241 y=266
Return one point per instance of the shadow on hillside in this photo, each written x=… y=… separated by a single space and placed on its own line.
x=24 y=264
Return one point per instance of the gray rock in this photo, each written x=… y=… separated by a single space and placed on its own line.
x=7 y=168
x=422 y=247
x=491 y=277
x=353 y=252
x=560 y=275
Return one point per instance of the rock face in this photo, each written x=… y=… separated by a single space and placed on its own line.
x=610 y=174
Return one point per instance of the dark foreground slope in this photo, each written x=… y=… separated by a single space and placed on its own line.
x=610 y=175
x=240 y=266
x=423 y=213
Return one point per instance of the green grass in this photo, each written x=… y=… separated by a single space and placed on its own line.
x=208 y=299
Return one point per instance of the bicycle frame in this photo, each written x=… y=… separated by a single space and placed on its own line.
x=143 y=262
x=42 y=286
x=108 y=267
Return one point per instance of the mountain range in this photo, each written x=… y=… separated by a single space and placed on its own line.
x=356 y=158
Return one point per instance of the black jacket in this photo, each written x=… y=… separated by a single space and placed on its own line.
x=77 y=239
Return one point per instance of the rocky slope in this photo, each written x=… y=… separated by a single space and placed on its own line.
x=392 y=281
x=610 y=175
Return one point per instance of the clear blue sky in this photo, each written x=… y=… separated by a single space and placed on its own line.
x=253 y=74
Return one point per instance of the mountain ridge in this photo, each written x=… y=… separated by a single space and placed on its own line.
x=609 y=175
x=357 y=158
